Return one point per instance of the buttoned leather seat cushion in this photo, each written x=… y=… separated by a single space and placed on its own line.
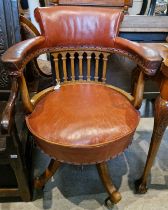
x=83 y=123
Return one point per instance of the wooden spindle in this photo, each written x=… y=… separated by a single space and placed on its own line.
x=64 y=66
x=105 y=55
x=80 y=65
x=72 y=63
x=96 y=66
x=88 y=65
x=72 y=57
x=57 y=76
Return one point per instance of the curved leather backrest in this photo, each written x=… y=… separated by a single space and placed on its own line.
x=78 y=26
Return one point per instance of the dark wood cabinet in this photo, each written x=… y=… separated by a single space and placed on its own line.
x=9 y=35
x=14 y=152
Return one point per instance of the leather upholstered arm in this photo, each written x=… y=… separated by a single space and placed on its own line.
x=162 y=49
x=13 y=58
x=149 y=58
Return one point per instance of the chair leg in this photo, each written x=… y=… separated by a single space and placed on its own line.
x=53 y=166
x=16 y=160
x=19 y=170
x=160 y=124
x=114 y=195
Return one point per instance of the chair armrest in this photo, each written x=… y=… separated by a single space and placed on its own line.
x=149 y=58
x=15 y=55
x=162 y=49
x=7 y=115
x=164 y=53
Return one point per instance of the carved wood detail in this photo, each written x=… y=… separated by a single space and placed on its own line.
x=4 y=79
x=160 y=124
x=9 y=34
x=2 y=41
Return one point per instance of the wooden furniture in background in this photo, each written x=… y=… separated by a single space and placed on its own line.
x=9 y=35
x=15 y=148
x=125 y=4
x=13 y=181
x=11 y=153
x=107 y=3
x=160 y=116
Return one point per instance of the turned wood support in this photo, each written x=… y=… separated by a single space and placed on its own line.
x=25 y=94
x=48 y=173
x=160 y=124
x=114 y=195
x=138 y=82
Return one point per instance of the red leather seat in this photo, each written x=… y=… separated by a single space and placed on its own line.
x=80 y=118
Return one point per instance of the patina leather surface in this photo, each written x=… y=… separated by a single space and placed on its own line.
x=146 y=53
x=79 y=26
x=14 y=57
x=20 y=50
x=162 y=49
x=83 y=117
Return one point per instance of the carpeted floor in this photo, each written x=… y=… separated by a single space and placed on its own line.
x=79 y=188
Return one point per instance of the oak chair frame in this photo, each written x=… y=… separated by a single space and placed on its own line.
x=29 y=103
x=59 y=54
x=160 y=118
x=161 y=104
x=161 y=108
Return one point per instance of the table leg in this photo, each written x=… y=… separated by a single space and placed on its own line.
x=160 y=124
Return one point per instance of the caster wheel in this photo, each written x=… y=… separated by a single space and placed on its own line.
x=38 y=184
x=113 y=199
x=108 y=203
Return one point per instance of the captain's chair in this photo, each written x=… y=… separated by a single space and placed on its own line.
x=81 y=119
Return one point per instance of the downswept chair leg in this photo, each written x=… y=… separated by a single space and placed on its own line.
x=114 y=195
x=48 y=173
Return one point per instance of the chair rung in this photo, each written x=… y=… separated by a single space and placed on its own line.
x=9 y=192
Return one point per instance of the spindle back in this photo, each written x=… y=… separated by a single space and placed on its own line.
x=80 y=65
